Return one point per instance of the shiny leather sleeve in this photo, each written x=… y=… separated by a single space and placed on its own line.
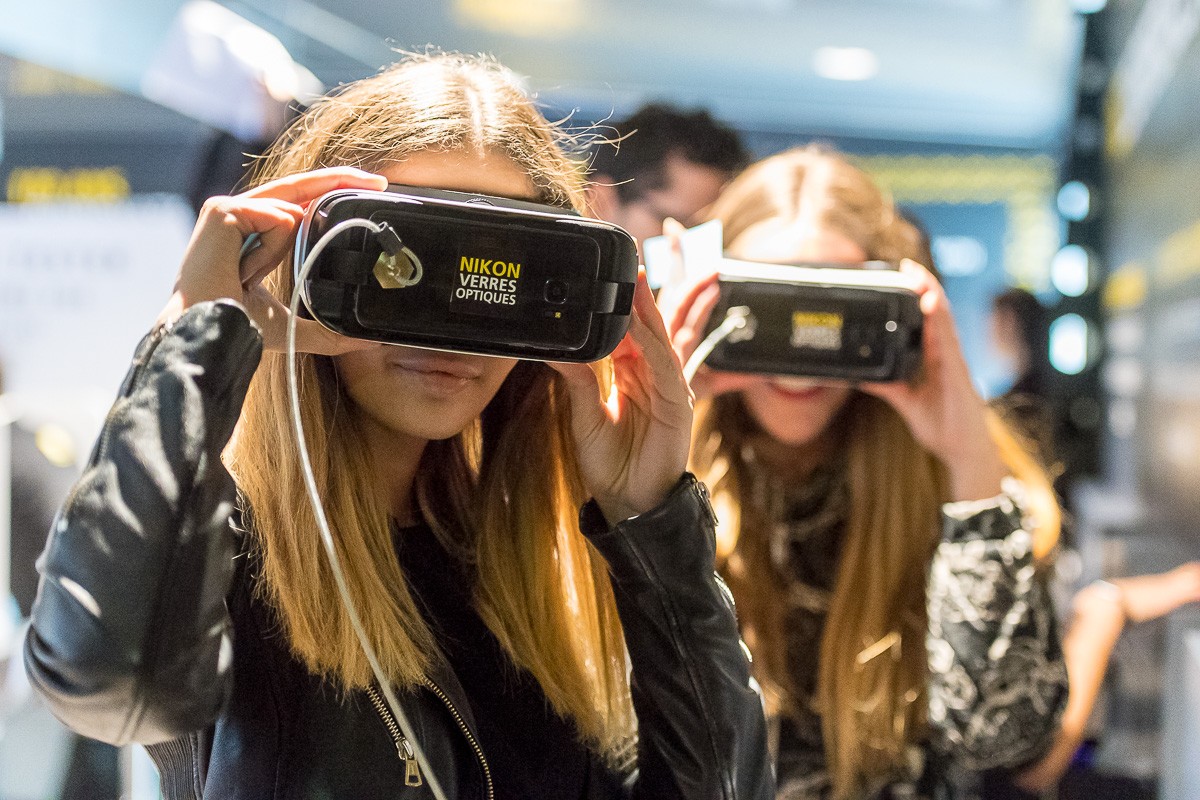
x=130 y=637
x=701 y=731
x=997 y=678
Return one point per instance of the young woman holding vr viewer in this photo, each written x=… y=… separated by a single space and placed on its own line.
x=886 y=543
x=538 y=643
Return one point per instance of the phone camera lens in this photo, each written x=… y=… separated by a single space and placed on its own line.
x=555 y=291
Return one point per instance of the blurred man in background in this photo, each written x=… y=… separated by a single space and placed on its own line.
x=662 y=163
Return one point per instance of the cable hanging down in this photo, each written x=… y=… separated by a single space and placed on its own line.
x=385 y=235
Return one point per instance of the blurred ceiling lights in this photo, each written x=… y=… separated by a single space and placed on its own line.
x=530 y=18
x=1071 y=271
x=845 y=63
x=1072 y=344
x=1074 y=201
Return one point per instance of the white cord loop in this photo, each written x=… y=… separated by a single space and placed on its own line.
x=738 y=326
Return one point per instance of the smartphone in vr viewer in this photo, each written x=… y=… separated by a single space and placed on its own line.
x=860 y=323
x=469 y=273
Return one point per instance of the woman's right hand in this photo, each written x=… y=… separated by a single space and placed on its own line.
x=686 y=308
x=213 y=267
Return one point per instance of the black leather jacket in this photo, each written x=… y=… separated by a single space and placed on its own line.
x=147 y=629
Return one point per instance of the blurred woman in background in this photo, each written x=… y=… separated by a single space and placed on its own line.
x=883 y=542
x=1018 y=335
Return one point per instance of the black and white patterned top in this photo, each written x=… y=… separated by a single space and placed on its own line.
x=997 y=682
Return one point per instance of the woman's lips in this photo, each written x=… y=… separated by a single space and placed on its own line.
x=436 y=363
x=437 y=373
x=796 y=388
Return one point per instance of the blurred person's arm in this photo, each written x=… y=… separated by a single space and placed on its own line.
x=1099 y=613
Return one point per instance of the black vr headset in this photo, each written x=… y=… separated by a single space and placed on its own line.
x=468 y=273
x=818 y=320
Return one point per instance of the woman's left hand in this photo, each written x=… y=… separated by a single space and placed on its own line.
x=632 y=445
x=941 y=407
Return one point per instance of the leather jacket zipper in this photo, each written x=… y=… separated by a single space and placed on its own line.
x=487 y=771
x=412 y=769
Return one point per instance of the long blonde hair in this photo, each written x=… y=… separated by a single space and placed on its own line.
x=873 y=667
x=502 y=495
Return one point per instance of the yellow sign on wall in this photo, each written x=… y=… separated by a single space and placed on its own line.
x=47 y=184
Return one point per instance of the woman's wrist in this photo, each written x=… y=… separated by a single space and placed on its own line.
x=615 y=513
x=618 y=509
x=179 y=304
x=607 y=513
x=976 y=473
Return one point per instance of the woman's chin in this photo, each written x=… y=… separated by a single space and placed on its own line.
x=795 y=411
x=793 y=437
